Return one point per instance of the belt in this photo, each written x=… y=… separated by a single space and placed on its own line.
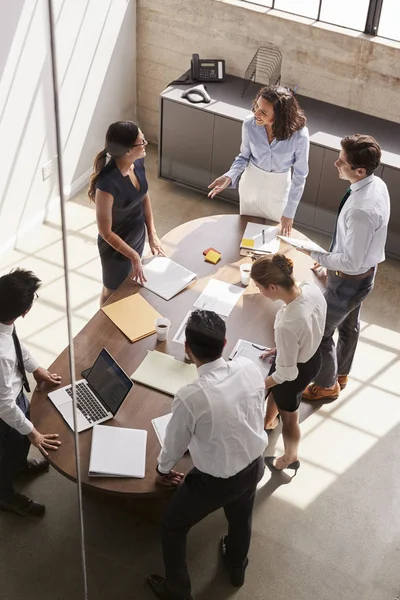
x=360 y=276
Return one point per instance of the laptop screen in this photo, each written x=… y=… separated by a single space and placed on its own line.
x=110 y=383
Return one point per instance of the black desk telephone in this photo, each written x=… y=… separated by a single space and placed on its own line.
x=207 y=69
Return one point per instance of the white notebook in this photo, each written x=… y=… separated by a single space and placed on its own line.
x=118 y=452
x=260 y=238
x=304 y=244
x=163 y=372
x=252 y=351
x=165 y=277
x=160 y=426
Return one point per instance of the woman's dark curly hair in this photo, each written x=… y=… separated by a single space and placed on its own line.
x=289 y=117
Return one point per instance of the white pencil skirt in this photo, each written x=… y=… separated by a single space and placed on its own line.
x=263 y=194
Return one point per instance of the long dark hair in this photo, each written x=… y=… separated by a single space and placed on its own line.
x=289 y=117
x=120 y=138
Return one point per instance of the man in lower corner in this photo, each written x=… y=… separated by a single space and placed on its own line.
x=357 y=247
x=220 y=419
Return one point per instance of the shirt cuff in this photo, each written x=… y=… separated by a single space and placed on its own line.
x=233 y=177
x=283 y=374
x=26 y=428
x=31 y=365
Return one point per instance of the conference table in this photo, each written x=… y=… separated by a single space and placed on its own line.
x=252 y=318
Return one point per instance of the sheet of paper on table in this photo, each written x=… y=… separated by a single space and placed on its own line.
x=252 y=351
x=219 y=296
x=160 y=426
x=261 y=238
x=304 y=244
x=179 y=336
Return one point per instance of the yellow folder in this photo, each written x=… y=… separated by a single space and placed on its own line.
x=133 y=315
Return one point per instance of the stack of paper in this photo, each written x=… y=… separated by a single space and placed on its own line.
x=160 y=426
x=165 y=277
x=303 y=244
x=133 y=315
x=252 y=351
x=163 y=372
x=260 y=238
x=219 y=296
x=118 y=452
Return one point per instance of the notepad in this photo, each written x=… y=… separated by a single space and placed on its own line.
x=260 y=238
x=303 y=244
x=118 y=452
x=133 y=315
x=165 y=277
x=164 y=373
x=160 y=426
x=251 y=351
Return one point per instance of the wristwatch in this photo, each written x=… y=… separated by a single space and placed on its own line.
x=160 y=473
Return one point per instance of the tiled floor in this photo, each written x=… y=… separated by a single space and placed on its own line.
x=332 y=534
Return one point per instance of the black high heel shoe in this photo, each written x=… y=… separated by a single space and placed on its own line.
x=269 y=461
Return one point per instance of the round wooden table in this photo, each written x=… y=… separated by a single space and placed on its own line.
x=252 y=318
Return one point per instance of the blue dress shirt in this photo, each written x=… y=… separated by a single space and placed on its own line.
x=275 y=157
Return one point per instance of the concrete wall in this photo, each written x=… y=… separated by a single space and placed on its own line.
x=331 y=64
x=96 y=55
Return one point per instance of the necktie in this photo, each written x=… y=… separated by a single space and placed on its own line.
x=342 y=203
x=20 y=360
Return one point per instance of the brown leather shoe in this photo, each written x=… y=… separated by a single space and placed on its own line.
x=342 y=381
x=316 y=393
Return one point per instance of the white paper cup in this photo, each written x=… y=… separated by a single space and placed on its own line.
x=162 y=328
x=245 y=270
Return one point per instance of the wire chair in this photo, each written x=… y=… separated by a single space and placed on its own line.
x=265 y=67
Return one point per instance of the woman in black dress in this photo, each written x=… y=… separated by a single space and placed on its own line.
x=123 y=208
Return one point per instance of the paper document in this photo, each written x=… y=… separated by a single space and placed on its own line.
x=252 y=351
x=260 y=238
x=305 y=244
x=133 y=315
x=165 y=277
x=118 y=452
x=160 y=426
x=219 y=296
x=163 y=372
x=179 y=336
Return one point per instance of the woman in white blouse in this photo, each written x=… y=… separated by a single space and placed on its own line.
x=272 y=165
x=296 y=360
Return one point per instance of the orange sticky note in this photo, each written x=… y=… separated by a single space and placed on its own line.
x=213 y=257
x=247 y=243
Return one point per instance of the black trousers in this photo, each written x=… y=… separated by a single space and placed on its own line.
x=198 y=496
x=14 y=448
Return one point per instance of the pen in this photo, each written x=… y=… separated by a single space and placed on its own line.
x=263 y=236
x=258 y=347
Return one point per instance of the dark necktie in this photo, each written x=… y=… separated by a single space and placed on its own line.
x=20 y=360
x=342 y=203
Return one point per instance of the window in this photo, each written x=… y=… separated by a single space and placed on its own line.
x=375 y=17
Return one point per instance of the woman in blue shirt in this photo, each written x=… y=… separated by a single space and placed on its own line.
x=273 y=161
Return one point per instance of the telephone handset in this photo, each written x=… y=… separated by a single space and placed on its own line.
x=207 y=70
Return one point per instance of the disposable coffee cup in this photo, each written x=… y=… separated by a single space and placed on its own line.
x=245 y=270
x=162 y=325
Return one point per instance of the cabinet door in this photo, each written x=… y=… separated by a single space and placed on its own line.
x=305 y=213
x=186 y=144
x=392 y=179
x=226 y=145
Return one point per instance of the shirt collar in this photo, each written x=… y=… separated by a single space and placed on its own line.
x=6 y=328
x=207 y=367
x=360 y=184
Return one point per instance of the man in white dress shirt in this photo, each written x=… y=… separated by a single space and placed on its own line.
x=18 y=291
x=358 y=245
x=220 y=419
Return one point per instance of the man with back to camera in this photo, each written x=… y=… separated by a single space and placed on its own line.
x=18 y=291
x=357 y=246
x=220 y=418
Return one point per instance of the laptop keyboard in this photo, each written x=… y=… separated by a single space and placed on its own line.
x=89 y=407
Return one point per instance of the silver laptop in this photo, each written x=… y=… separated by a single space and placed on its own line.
x=99 y=395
